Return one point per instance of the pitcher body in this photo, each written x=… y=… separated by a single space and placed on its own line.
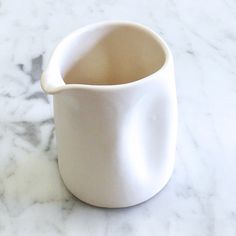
x=115 y=113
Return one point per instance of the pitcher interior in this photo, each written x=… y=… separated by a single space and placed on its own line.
x=111 y=54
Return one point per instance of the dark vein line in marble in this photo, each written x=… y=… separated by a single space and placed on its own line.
x=30 y=132
x=191 y=52
x=36 y=68
x=38 y=95
x=50 y=139
x=47 y=121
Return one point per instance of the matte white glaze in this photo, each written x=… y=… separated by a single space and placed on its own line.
x=116 y=137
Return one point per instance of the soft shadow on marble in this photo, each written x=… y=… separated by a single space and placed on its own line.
x=199 y=199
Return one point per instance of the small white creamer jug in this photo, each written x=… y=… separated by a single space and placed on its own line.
x=115 y=112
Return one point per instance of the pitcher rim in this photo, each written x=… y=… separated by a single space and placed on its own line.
x=56 y=89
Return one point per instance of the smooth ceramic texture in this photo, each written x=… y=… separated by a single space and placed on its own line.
x=115 y=113
x=199 y=198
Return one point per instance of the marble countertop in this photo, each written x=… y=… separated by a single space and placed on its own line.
x=200 y=199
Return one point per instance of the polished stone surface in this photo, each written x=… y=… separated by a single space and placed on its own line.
x=200 y=199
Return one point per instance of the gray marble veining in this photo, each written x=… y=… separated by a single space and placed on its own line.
x=200 y=199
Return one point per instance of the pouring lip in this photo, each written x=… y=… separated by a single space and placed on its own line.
x=50 y=89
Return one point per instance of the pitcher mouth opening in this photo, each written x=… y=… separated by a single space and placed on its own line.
x=108 y=53
x=111 y=54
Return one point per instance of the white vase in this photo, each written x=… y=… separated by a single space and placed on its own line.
x=115 y=112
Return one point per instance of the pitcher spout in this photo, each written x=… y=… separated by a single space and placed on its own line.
x=51 y=81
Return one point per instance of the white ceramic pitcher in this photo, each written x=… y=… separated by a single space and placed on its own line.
x=115 y=112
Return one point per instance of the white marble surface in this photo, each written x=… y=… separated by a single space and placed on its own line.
x=200 y=199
